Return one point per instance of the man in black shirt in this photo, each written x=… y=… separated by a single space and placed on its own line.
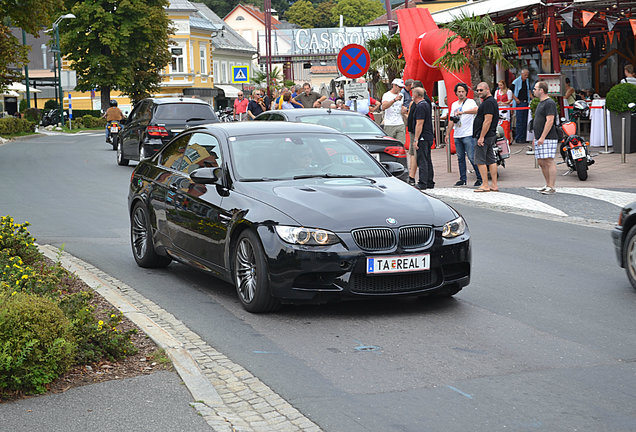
x=256 y=105
x=424 y=138
x=485 y=132
x=546 y=138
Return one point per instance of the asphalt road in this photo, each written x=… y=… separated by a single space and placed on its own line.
x=542 y=339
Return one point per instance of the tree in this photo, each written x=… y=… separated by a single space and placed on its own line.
x=386 y=56
x=484 y=42
x=323 y=16
x=117 y=44
x=260 y=78
x=31 y=16
x=302 y=13
x=357 y=12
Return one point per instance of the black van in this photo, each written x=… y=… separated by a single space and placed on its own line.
x=155 y=121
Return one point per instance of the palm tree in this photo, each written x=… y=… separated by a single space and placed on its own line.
x=483 y=43
x=387 y=59
x=260 y=78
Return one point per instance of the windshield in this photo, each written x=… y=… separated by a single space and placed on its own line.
x=283 y=157
x=184 y=111
x=347 y=124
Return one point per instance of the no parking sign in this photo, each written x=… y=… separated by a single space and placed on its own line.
x=353 y=61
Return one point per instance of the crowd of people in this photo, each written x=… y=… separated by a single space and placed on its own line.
x=407 y=117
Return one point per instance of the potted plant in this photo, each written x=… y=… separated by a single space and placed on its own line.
x=617 y=101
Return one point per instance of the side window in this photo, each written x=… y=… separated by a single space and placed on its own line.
x=146 y=112
x=276 y=117
x=203 y=151
x=265 y=117
x=134 y=115
x=172 y=156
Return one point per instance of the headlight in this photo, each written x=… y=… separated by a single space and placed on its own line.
x=306 y=236
x=454 y=228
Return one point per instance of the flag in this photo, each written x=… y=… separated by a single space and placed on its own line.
x=520 y=17
x=611 y=36
x=535 y=23
x=515 y=33
x=611 y=22
x=558 y=24
x=563 y=44
x=568 y=17
x=547 y=26
x=586 y=42
x=540 y=46
x=632 y=21
x=519 y=51
x=587 y=16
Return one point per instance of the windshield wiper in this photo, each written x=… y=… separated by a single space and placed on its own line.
x=195 y=119
x=329 y=175
x=260 y=179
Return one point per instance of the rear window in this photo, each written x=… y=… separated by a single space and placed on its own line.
x=347 y=124
x=184 y=111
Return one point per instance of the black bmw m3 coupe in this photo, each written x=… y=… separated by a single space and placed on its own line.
x=290 y=213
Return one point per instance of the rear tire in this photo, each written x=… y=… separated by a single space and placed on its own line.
x=114 y=140
x=121 y=160
x=629 y=255
x=251 y=276
x=581 y=169
x=143 y=246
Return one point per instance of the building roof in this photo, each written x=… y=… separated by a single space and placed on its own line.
x=227 y=38
x=382 y=20
x=255 y=12
x=180 y=5
x=203 y=23
x=481 y=7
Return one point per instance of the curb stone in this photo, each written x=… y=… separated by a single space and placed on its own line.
x=226 y=395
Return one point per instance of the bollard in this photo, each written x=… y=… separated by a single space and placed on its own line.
x=606 y=151
x=623 y=160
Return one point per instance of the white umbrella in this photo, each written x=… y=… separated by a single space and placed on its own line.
x=21 y=88
x=9 y=93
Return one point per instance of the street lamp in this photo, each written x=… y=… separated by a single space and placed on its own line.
x=59 y=61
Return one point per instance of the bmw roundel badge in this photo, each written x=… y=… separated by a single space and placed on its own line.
x=391 y=221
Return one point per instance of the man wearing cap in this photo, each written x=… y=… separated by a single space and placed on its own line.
x=392 y=107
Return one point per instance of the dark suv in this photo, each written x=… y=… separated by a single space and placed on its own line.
x=155 y=121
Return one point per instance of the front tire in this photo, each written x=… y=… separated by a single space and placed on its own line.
x=121 y=160
x=581 y=169
x=250 y=275
x=143 y=246
x=629 y=255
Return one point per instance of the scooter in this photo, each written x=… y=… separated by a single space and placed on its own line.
x=502 y=147
x=225 y=115
x=114 y=127
x=574 y=150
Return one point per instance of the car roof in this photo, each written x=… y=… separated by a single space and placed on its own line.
x=301 y=112
x=172 y=100
x=261 y=127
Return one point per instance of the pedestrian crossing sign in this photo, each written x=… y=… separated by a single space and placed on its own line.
x=240 y=74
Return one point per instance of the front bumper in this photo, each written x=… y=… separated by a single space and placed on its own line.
x=318 y=275
x=617 y=237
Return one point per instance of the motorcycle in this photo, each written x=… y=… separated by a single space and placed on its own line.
x=114 y=126
x=502 y=146
x=52 y=117
x=226 y=115
x=574 y=150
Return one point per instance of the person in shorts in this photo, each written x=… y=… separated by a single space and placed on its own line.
x=485 y=132
x=544 y=127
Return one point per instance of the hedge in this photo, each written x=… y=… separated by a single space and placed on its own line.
x=12 y=125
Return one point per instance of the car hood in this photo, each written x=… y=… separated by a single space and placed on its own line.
x=342 y=204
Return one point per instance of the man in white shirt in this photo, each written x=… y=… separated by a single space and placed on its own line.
x=392 y=107
x=462 y=115
x=630 y=77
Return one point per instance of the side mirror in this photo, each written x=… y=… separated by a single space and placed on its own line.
x=396 y=169
x=206 y=175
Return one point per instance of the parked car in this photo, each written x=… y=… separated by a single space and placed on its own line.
x=155 y=121
x=624 y=236
x=293 y=213
x=357 y=126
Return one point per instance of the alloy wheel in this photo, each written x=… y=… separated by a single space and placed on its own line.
x=631 y=257
x=140 y=233
x=245 y=270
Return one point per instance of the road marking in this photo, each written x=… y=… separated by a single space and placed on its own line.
x=500 y=199
x=460 y=392
x=617 y=198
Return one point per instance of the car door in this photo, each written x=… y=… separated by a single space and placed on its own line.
x=198 y=221
x=131 y=135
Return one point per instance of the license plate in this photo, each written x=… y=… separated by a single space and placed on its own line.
x=397 y=264
x=578 y=153
x=114 y=129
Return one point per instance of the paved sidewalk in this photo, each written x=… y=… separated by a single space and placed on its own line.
x=607 y=172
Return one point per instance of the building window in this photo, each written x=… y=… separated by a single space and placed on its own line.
x=217 y=76
x=224 y=72
x=202 y=60
x=177 y=60
x=240 y=18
